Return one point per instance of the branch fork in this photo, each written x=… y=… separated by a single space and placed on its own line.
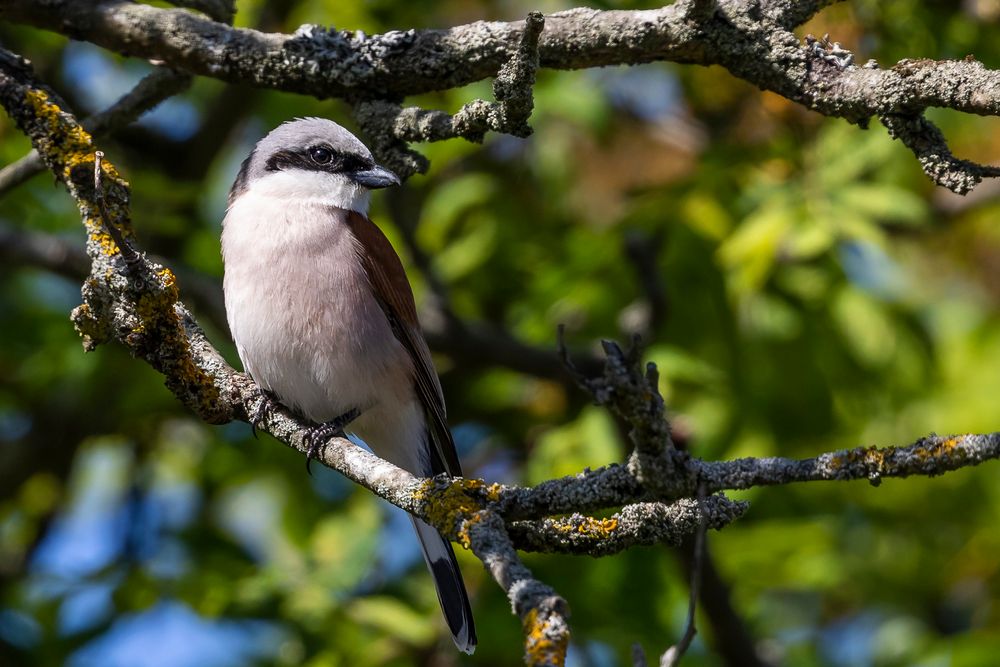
x=660 y=495
x=391 y=127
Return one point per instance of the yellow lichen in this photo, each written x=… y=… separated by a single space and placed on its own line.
x=167 y=276
x=464 y=536
x=68 y=148
x=873 y=456
x=453 y=506
x=157 y=322
x=936 y=450
x=69 y=145
x=598 y=527
x=493 y=492
x=540 y=648
x=588 y=525
x=868 y=456
x=104 y=241
x=877 y=460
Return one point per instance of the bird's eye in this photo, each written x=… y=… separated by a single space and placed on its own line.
x=320 y=155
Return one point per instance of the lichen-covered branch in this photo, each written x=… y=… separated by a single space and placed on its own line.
x=930 y=148
x=631 y=393
x=930 y=456
x=157 y=86
x=543 y=613
x=638 y=524
x=136 y=303
x=390 y=127
x=615 y=485
x=750 y=38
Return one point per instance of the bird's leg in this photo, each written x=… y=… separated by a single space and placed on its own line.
x=316 y=437
x=268 y=402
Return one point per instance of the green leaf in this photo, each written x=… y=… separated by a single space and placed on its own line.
x=343 y=544
x=751 y=251
x=393 y=617
x=446 y=205
x=881 y=202
x=865 y=326
x=468 y=252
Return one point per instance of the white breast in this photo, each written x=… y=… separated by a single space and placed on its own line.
x=302 y=312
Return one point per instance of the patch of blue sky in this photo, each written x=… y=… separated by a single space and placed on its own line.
x=869 y=267
x=651 y=93
x=176 y=501
x=99 y=80
x=170 y=634
x=849 y=642
x=398 y=548
x=79 y=544
x=86 y=607
x=94 y=531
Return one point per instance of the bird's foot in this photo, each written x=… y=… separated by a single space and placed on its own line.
x=267 y=404
x=317 y=437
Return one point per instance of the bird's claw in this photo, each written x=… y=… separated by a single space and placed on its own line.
x=317 y=437
x=260 y=414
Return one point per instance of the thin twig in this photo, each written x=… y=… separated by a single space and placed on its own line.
x=674 y=654
x=390 y=127
x=128 y=252
x=157 y=86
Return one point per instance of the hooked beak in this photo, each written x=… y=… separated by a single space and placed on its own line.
x=375 y=178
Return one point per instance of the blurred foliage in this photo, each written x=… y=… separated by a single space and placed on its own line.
x=820 y=293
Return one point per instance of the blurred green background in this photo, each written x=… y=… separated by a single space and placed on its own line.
x=801 y=284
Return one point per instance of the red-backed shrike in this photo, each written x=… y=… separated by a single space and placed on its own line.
x=323 y=315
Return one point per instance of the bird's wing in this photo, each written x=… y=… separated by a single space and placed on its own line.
x=393 y=292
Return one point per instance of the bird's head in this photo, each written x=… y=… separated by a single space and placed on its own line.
x=312 y=160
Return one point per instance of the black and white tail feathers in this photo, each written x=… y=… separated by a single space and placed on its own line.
x=451 y=592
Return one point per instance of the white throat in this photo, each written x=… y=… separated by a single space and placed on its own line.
x=312 y=187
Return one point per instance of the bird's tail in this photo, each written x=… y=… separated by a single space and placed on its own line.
x=450 y=588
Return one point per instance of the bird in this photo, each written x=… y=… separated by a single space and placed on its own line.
x=324 y=320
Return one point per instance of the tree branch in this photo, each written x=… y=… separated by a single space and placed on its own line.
x=390 y=127
x=330 y=63
x=615 y=485
x=139 y=307
x=930 y=148
x=673 y=655
x=543 y=613
x=135 y=301
x=638 y=524
x=754 y=46
x=155 y=87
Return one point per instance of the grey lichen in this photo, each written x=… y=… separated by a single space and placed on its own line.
x=753 y=39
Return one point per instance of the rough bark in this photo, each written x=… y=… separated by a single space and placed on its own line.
x=660 y=494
